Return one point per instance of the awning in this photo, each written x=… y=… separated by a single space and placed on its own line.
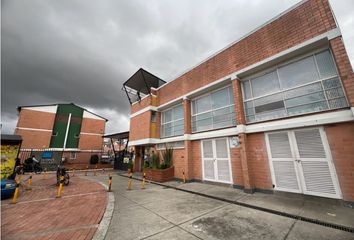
x=121 y=135
x=140 y=83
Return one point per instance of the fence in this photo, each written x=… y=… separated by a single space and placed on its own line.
x=51 y=158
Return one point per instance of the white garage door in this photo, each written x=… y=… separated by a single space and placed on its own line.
x=300 y=162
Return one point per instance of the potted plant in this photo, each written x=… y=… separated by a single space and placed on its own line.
x=161 y=171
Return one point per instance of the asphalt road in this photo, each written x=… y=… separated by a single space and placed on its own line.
x=161 y=213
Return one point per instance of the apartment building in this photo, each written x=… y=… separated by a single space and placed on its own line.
x=60 y=128
x=274 y=111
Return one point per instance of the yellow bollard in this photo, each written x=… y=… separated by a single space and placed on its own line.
x=29 y=181
x=45 y=174
x=143 y=182
x=60 y=186
x=86 y=170
x=14 y=200
x=184 y=178
x=130 y=182
x=109 y=183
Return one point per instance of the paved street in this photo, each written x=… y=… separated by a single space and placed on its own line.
x=162 y=213
x=38 y=214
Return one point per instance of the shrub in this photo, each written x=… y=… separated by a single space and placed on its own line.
x=146 y=164
x=155 y=160
x=167 y=157
x=94 y=159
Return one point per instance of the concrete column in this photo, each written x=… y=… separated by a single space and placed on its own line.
x=247 y=180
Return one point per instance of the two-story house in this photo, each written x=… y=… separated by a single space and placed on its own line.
x=272 y=111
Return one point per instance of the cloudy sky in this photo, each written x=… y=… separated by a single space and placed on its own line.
x=82 y=51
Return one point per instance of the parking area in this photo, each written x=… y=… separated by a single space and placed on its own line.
x=38 y=214
x=158 y=212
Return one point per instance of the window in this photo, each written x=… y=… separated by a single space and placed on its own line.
x=72 y=155
x=310 y=84
x=174 y=145
x=214 y=110
x=153 y=116
x=172 y=122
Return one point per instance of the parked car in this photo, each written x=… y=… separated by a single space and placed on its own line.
x=7 y=188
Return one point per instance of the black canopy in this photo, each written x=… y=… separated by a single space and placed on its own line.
x=139 y=84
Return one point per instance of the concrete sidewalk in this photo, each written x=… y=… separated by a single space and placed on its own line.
x=38 y=214
x=315 y=209
x=159 y=213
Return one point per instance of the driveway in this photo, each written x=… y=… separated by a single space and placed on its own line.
x=163 y=213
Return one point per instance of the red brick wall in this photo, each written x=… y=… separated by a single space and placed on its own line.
x=149 y=100
x=300 y=24
x=236 y=166
x=258 y=161
x=140 y=126
x=34 y=139
x=196 y=164
x=341 y=138
x=179 y=162
x=344 y=67
x=90 y=125
x=90 y=142
x=35 y=119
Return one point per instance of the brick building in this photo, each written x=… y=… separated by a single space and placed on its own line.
x=64 y=128
x=272 y=111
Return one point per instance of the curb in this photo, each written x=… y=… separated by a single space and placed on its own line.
x=101 y=231
x=276 y=212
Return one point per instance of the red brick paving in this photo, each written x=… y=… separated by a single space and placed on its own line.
x=39 y=215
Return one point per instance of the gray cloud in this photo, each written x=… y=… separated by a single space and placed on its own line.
x=82 y=50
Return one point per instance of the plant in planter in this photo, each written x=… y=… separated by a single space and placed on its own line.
x=161 y=172
x=167 y=158
x=155 y=161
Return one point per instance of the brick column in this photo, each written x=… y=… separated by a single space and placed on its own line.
x=344 y=68
x=239 y=111
x=247 y=180
x=187 y=116
x=187 y=166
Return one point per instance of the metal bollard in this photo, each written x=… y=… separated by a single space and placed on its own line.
x=109 y=183
x=73 y=172
x=184 y=178
x=94 y=171
x=130 y=182
x=60 y=189
x=143 y=182
x=86 y=170
x=14 y=199
x=29 y=181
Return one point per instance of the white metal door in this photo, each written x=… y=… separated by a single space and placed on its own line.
x=282 y=164
x=300 y=161
x=216 y=160
x=208 y=160
x=313 y=156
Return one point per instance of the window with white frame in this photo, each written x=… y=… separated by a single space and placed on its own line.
x=310 y=84
x=213 y=110
x=172 y=122
x=174 y=145
x=72 y=155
